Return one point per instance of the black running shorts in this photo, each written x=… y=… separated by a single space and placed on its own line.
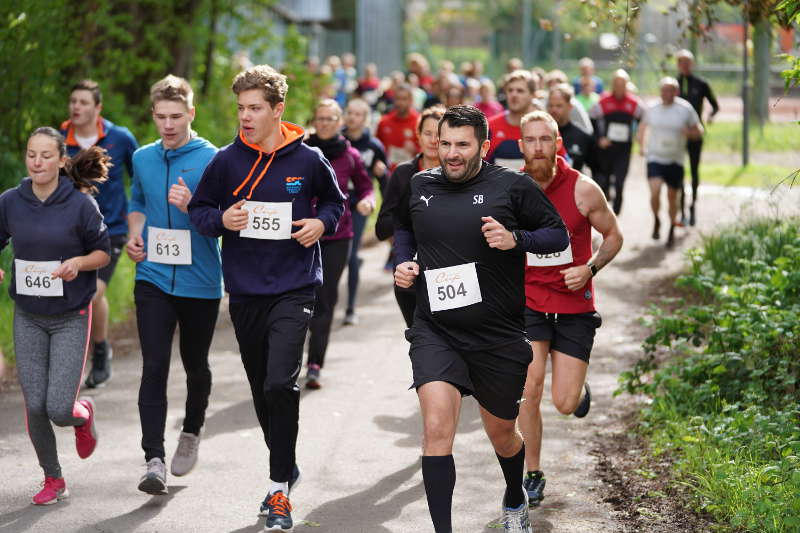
x=568 y=333
x=495 y=377
x=672 y=174
x=118 y=243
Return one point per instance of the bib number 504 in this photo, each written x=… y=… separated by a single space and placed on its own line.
x=449 y=292
x=267 y=223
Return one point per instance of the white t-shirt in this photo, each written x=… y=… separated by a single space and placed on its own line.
x=86 y=142
x=666 y=143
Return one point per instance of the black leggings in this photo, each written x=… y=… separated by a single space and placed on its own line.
x=613 y=161
x=694 y=148
x=334 y=258
x=157 y=314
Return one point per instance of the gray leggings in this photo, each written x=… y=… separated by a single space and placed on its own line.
x=51 y=351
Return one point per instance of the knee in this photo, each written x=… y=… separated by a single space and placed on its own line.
x=504 y=438
x=36 y=409
x=534 y=389
x=439 y=434
x=61 y=415
x=566 y=403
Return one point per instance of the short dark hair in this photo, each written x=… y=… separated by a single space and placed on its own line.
x=466 y=115
x=92 y=87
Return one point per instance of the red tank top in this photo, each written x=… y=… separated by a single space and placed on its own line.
x=545 y=290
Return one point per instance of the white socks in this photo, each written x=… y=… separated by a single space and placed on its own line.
x=275 y=487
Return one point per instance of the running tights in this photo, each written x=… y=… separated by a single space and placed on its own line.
x=334 y=258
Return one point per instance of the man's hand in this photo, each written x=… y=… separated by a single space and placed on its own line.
x=405 y=274
x=379 y=169
x=180 y=195
x=69 y=269
x=365 y=207
x=576 y=277
x=603 y=142
x=497 y=236
x=235 y=217
x=311 y=229
x=135 y=249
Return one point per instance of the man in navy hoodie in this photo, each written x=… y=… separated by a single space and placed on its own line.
x=271 y=198
x=84 y=128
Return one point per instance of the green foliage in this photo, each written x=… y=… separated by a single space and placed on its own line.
x=726 y=137
x=725 y=405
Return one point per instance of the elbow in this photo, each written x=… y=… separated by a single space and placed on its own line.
x=104 y=261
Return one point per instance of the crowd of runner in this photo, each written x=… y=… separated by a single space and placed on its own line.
x=524 y=172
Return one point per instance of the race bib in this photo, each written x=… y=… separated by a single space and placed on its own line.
x=453 y=287
x=398 y=154
x=618 y=132
x=268 y=220
x=564 y=257
x=169 y=246
x=513 y=164
x=33 y=278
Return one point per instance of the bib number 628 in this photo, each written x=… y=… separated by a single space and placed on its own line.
x=449 y=292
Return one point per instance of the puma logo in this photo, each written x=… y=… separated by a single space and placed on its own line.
x=426 y=200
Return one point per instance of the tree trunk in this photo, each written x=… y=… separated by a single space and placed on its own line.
x=762 y=57
x=210 y=45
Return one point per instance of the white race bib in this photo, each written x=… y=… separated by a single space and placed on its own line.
x=453 y=287
x=618 y=132
x=33 y=278
x=564 y=257
x=513 y=164
x=398 y=155
x=169 y=246
x=268 y=220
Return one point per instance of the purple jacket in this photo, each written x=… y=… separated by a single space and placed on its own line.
x=349 y=168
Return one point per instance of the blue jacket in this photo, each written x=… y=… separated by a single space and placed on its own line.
x=120 y=145
x=155 y=170
x=67 y=224
x=294 y=173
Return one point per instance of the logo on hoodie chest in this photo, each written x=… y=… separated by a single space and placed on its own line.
x=294 y=184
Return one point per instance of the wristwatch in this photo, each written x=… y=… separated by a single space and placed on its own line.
x=592 y=268
x=515 y=234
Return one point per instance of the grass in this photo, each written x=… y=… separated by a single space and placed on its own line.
x=753 y=175
x=774 y=137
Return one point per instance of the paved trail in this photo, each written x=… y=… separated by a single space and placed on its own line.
x=360 y=435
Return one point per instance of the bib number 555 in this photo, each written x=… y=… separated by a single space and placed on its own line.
x=267 y=223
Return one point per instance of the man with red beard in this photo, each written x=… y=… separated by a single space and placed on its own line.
x=560 y=317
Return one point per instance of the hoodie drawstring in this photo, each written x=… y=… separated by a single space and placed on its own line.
x=258 y=179
x=240 y=187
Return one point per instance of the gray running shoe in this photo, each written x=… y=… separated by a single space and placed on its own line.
x=155 y=480
x=517 y=520
x=350 y=319
x=186 y=454
x=312 y=377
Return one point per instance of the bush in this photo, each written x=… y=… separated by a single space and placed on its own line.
x=726 y=402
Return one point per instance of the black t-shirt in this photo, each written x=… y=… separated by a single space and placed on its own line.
x=695 y=90
x=579 y=145
x=445 y=220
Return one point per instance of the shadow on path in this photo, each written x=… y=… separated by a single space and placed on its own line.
x=131 y=520
x=26 y=517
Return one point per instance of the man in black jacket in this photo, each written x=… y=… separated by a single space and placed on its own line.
x=580 y=146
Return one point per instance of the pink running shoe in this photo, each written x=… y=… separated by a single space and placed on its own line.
x=86 y=435
x=54 y=490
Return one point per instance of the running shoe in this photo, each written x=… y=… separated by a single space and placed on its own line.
x=517 y=520
x=86 y=434
x=101 y=365
x=154 y=481
x=692 y=219
x=586 y=403
x=350 y=319
x=534 y=483
x=186 y=454
x=293 y=482
x=53 y=490
x=312 y=377
x=657 y=229
x=279 y=512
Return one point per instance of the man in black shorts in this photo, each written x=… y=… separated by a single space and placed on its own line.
x=467 y=336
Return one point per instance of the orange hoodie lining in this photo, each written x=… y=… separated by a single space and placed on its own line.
x=289 y=136
x=72 y=141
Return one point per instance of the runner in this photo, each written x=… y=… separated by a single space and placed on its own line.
x=399 y=189
x=519 y=88
x=178 y=278
x=586 y=66
x=616 y=114
x=560 y=317
x=396 y=128
x=670 y=123
x=257 y=194
x=694 y=90
x=580 y=146
x=356 y=119
x=350 y=172
x=86 y=128
x=467 y=336
x=59 y=241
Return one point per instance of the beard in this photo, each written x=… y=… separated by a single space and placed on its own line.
x=468 y=171
x=541 y=169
